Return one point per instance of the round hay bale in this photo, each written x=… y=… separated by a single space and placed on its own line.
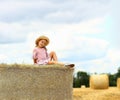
x=48 y=82
x=99 y=81
x=83 y=86
x=118 y=83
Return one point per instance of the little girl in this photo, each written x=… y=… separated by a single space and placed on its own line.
x=40 y=55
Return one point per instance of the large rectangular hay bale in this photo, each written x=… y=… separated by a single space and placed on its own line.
x=30 y=82
x=99 y=81
x=118 y=83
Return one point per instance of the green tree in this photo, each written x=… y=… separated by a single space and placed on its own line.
x=76 y=82
x=118 y=73
x=112 y=80
x=82 y=78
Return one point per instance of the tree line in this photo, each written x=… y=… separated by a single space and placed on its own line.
x=82 y=78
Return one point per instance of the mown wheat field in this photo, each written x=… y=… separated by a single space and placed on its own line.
x=112 y=93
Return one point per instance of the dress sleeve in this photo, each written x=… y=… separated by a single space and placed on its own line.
x=34 y=54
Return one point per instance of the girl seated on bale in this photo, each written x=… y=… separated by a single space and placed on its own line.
x=41 y=56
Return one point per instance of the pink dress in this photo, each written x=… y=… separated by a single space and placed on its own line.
x=41 y=55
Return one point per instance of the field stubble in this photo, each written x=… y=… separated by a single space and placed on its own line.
x=112 y=93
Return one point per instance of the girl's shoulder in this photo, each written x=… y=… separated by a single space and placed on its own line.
x=37 y=48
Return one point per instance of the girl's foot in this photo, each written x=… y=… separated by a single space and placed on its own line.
x=69 y=65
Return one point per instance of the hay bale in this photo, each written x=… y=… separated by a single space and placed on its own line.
x=99 y=81
x=118 y=83
x=83 y=86
x=49 y=82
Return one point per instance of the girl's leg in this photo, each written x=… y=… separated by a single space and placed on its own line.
x=54 y=60
x=60 y=63
x=53 y=56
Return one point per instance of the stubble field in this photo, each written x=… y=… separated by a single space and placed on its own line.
x=112 y=93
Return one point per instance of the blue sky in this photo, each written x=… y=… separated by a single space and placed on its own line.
x=84 y=32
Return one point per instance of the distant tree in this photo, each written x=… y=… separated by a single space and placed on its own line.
x=118 y=73
x=112 y=80
x=82 y=78
x=76 y=82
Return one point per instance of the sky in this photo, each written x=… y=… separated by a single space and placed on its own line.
x=83 y=32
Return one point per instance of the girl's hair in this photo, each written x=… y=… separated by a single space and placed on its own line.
x=42 y=38
x=37 y=41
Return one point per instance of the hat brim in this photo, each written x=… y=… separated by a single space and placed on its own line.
x=42 y=38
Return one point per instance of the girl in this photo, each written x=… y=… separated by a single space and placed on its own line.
x=40 y=55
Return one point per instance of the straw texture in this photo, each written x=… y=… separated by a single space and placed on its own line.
x=29 y=82
x=99 y=81
x=118 y=83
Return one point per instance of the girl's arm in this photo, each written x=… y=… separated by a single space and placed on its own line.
x=35 y=61
x=34 y=56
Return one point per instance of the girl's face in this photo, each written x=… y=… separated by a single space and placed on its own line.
x=42 y=43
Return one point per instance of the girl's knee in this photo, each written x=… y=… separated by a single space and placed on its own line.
x=52 y=52
x=53 y=56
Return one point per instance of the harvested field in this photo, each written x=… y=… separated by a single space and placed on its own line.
x=112 y=93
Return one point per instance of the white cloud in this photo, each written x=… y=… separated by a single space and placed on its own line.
x=51 y=11
x=107 y=64
x=115 y=16
x=113 y=56
x=12 y=32
x=19 y=31
x=15 y=53
x=2 y=57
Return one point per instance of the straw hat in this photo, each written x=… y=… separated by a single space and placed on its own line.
x=42 y=38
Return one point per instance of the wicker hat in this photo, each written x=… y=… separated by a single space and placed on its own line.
x=42 y=38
